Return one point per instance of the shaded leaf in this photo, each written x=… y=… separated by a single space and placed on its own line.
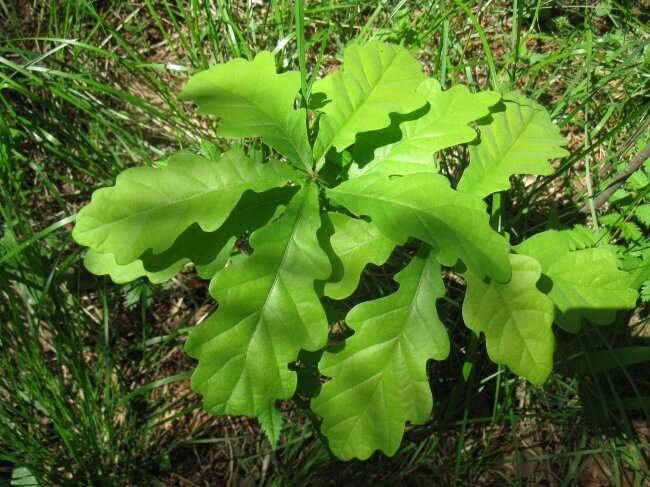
x=149 y=208
x=379 y=379
x=205 y=249
x=516 y=318
x=354 y=243
x=268 y=311
x=425 y=207
x=612 y=359
x=374 y=81
x=517 y=138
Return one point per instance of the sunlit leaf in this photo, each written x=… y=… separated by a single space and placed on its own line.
x=148 y=208
x=516 y=318
x=374 y=81
x=423 y=206
x=254 y=101
x=445 y=124
x=379 y=377
x=518 y=137
x=268 y=311
x=583 y=284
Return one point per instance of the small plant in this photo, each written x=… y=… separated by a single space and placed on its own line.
x=328 y=199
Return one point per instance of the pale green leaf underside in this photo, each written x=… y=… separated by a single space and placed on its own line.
x=148 y=208
x=445 y=124
x=375 y=80
x=254 y=101
x=516 y=318
x=379 y=379
x=354 y=243
x=268 y=311
x=425 y=207
x=517 y=138
x=583 y=284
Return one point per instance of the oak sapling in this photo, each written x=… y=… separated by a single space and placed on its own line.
x=316 y=219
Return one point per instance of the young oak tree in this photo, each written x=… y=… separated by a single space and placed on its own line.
x=330 y=199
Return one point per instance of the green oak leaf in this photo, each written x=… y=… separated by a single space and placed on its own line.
x=268 y=311
x=583 y=284
x=424 y=206
x=444 y=125
x=204 y=249
x=252 y=100
x=379 y=379
x=148 y=208
x=586 y=284
x=163 y=267
x=375 y=80
x=546 y=246
x=517 y=138
x=354 y=243
x=102 y=264
x=516 y=318
x=208 y=251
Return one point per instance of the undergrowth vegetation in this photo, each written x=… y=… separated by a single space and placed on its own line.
x=94 y=384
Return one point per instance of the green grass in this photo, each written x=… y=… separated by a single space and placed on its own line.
x=93 y=379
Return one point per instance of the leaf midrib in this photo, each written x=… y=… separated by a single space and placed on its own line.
x=356 y=109
x=395 y=344
x=407 y=311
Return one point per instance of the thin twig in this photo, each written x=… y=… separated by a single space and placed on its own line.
x=620 y=178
